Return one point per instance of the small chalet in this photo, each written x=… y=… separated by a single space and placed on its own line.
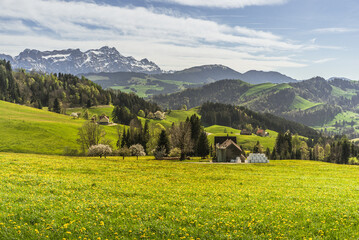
x=261 y=133
x=104 y=120
x=229 y=151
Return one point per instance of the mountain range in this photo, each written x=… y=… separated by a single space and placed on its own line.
x=147 y=85
x=74 y=61
x=110 y=60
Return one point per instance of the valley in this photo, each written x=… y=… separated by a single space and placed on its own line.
x=179 y=119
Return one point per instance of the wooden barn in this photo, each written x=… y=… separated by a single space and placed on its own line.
x=229 y=151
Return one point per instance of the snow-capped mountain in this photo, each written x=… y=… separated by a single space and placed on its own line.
x=74 y=61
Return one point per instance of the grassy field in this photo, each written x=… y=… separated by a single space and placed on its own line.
x=53 y=197
x=98 y=110
x=25 y=129
x=338 y=92
x=301 y=103
x=246 y=141
x=138 y=89
x=346 y=116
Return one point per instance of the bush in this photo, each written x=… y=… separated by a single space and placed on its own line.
x=70 y=151
x=141 y=113
x=175 y=152
x=160 y=115
x=99 y=150
x=74 y=115
x=160 y=153
x=124 y=152
x=354 y=161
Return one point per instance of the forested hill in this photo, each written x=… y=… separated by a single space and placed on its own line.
x=60 y=91
x=311 y=102
x=240 y=117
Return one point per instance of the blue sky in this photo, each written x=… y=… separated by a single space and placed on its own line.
x=300 y=38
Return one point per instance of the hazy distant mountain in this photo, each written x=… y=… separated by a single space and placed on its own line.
x=201 y=74
x=153 y=84
x=341 y=78
x=256 y=77
x=212 y=73
x=74 y=61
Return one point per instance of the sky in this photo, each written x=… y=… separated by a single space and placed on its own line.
x=299 y=38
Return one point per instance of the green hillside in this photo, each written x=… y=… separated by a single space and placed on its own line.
x=141 y=84
x=264 y=88
x=98 y=110
x=347 y=93
x=26 y=129
x=30 y=130
x=302 y=104
x=346 y=122
x=246 y=141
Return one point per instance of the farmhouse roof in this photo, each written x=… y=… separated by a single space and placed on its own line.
x=228 y=143
x=104 y=118
x=260 y=131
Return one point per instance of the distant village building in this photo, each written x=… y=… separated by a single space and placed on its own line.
x=229 y=151
x=104 y=120
x=246 y=132
x=262 y=133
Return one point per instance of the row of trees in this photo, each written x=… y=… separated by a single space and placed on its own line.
x=329 y=149
x=183 y=139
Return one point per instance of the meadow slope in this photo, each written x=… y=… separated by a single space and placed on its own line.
x=31 y=130
x=54 y=197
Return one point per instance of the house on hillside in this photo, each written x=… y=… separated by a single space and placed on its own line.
x=104 y=120
x=229 y=151
x=246 y=132
x=262 y=133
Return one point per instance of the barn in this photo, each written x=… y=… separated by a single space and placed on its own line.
x=229 y=151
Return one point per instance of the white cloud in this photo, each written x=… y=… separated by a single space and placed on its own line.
x=171 y=40
x=324 y=60
x=224 y=3
x=335 y=30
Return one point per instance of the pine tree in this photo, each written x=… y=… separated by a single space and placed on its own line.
x=202 y=145
x=56 y=108
x=163 y=142
x=268 y=152
x=196 y=129
x=258 y=148
x=145 y=135
x=274 y=154
x=124 y=138
x=345 y=151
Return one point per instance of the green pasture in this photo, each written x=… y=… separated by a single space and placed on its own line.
x=55 y=197
x=26 y=129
